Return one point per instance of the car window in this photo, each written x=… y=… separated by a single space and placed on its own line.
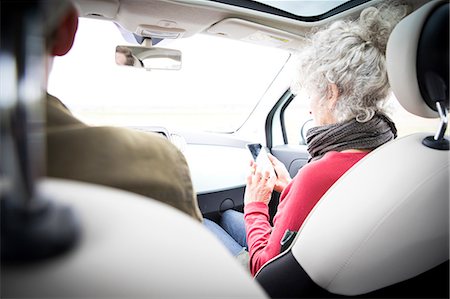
x=304 y=7
x=303 y=10
x=220 y=82
x=297 y=113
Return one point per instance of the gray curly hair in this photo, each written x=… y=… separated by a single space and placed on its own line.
x=350 y=54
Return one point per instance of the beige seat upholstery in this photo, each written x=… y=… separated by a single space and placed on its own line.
x=67 y=239
x=382 y=230
x=130 y=246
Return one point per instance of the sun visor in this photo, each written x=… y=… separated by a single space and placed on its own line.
x=256 y=33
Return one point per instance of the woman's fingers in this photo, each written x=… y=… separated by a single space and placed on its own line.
x=265 y=175
x=258 y=176
x=249 y=179
x=252 y=167
x=259 y=187
x=272 y=159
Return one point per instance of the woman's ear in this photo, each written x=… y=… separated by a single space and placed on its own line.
x=65 y=33
x=333 y=95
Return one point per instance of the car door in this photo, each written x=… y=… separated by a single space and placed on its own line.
x=284 y=127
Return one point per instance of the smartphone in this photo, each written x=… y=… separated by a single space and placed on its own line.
x=254 y=149
x=259 y=154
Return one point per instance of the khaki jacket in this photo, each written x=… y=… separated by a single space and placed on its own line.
x=140 y=162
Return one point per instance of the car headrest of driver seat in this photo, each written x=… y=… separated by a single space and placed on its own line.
x=417 y=59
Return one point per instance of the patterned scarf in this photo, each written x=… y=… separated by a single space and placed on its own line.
x=350 y=135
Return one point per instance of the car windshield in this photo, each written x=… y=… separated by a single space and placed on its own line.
x=219 y=85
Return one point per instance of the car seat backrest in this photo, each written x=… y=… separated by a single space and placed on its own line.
x=87 y=241
x=383 y=227
x=130 y=246
x=379 y=225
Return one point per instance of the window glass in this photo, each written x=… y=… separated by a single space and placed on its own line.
x=220 y=82
x=297 y=113
x=304 y=7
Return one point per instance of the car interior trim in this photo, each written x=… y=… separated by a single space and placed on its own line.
x=275 y=11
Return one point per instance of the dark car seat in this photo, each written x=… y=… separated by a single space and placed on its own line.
x=383 y=229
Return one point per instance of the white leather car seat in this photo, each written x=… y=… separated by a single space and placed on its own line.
x=383 y=229
x=67 y=239
x=130 y=246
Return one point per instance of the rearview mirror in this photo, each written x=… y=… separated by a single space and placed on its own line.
x=148 y=57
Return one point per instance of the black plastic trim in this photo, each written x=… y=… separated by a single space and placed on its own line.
x=210 y=203
x=285 y=278
x=275 y=11
x=270 y=117
x=283 y=127
x=442 y=144
x=43 y=231
x=433 y=283
x=32 y=228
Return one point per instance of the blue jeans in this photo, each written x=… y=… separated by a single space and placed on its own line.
x=230 y=231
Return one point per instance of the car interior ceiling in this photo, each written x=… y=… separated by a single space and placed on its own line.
x=52 y=229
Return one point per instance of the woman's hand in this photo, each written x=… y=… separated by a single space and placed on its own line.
x=283 y=177
x=259 y=185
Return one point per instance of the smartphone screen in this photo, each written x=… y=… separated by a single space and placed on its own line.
x=254 y=149
x=259 y=155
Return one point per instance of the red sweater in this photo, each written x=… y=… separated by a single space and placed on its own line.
x=296 y=201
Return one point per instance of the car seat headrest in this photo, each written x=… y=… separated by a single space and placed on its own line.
x=432 y=58
x=417 y=60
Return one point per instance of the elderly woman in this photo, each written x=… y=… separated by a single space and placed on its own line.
x=343 y=71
